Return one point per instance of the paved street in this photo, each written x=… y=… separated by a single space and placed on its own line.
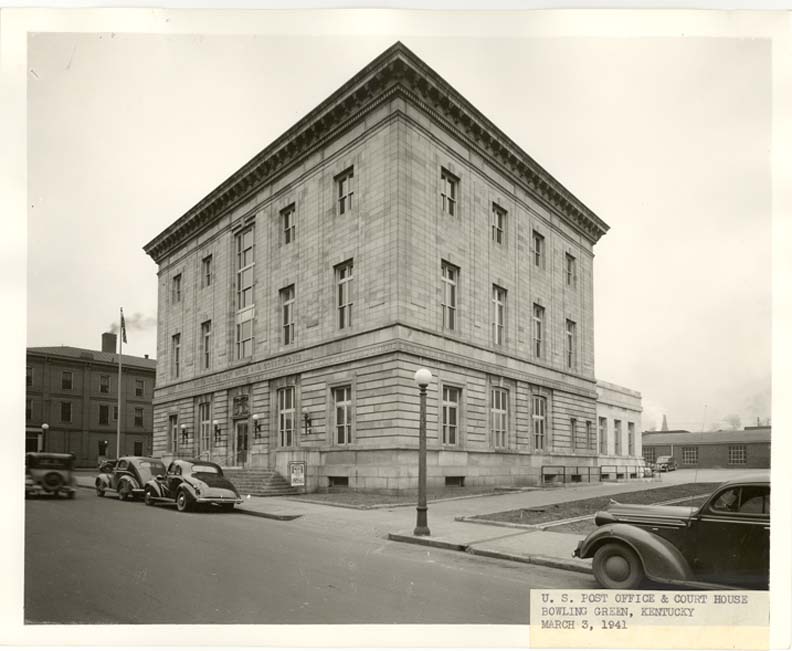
x=92 y=560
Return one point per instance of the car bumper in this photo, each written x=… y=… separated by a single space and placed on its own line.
x=37 y=489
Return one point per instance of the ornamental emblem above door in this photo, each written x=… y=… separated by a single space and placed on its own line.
x=241 y=407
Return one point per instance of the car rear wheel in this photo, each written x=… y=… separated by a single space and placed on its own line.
x=617 y=567
x=124 y=491
x=183 y=501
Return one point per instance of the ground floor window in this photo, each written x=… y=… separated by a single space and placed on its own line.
x=498 y=417
x=173 y=430
x=603 y=435
x=450 y=415
x=138 y=448
x=539 y=419
x=649 y=455
x=690 y=456
x=286 y=416
x=342 y=400
x=737 y=454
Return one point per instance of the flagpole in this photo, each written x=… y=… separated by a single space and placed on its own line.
x=120 y=413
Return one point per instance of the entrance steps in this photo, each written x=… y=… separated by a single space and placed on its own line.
x=259 y=482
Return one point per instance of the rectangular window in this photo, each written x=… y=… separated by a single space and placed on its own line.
x=288 y=215
x=571 y=270
x=205 y=424
x=245 y=267
x=175 y=355
x=28 y=408
x=649 y=455
x=617 y=436
x=573 y=433
x=498 y=314
x=499 y=412
x=29 y=376
x=115 y=413
x=448 y=191
x=450 y=278
x=631 y=439
x=206 y=271
x=538 y=330
x=206 y=345
x=104 y=415
x=498 y=224
x=138 y=448
x=139 y=388
x=603 y=435
x=344 y=190
x=737 y=455
x=104 y=384
x=286 y=416
x=138 y=416
x=538 y=249
x=590 y=444
x=66 y=412
x=343 y=274
x=571 y=344
x=450 y=415
x=690 y=456
x=287 y=314
x=539 y=420
x=173 y=432
x=244 y=339
x=67 y=380
x=342 y=401
x=176 y=288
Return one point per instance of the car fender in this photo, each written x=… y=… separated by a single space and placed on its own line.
x=661 y=560
x=129 y=478
x=104 y=478
x=155 y=487
x=187 y=486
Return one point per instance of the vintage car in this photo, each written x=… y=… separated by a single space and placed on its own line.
x=191 y=482
x=665 y=463
x=725 y=543
x=49 y=473
x=127 y=477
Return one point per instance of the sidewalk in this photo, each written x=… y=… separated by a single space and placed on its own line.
x=396 y=523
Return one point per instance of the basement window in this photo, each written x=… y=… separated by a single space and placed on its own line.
x=459 y=482
x=337 y=482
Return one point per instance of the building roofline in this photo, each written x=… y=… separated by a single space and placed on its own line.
x=88 y=356
x=396 y=71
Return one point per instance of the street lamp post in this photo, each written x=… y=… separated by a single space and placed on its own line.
x=43 y=445
x=422 y=379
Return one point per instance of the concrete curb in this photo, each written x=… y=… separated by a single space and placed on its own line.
x=263 y=514
x=572 y=564
x=367 y=507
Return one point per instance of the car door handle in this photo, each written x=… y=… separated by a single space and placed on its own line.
x=767 y=528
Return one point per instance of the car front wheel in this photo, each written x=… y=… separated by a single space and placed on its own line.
x=183 y=501
x=617 y=567
x=100 y=491
x=148 y=497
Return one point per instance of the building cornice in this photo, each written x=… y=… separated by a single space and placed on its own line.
x=395 y=73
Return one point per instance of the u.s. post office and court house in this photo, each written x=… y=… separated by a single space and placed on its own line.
x=394 y=227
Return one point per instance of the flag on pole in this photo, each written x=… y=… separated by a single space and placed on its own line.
x=123 y=327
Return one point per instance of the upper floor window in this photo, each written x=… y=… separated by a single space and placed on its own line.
x=104 y=384
x=245 y=265
x=538 y=330
x=206 y=345
x=138 y=416
x=498 y=224
x=498 y=314
x=539 y=421
x=67 y=380
x=450 y=414
x=206 y=271
x=29 y=376
x=175 y=355
x=344 y=190
x=244 y=339
x=448 y=191
x=631 y=439
x=104 y=414
x=66 y=412
x=499 y=411
x=571 y=343
x=342 y=402
x=571 y=270
x=139 y=387
x=288 y=216
x=343 y=274
x=286 y=416
x=287 y=314
x=450 y=278
x=603 y=435
x=538 y=249
x=176 y=288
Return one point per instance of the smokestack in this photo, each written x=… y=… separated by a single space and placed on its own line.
x=109 y=342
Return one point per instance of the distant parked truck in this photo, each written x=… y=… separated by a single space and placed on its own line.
x=665 y=464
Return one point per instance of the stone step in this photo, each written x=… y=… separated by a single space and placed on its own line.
x=259 y=482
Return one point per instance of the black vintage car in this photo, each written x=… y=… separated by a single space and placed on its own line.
x=191 y=482
x=725 y=543
x=49 y=473
x=127 y=476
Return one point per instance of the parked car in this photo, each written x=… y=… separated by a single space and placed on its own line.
x=723 y=543
x=665 y=463
x=49 y=473
x=127 y=477
x=191 y=482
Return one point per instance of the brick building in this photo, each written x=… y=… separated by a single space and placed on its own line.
x=74 y=391
x=746 y=448
x=393 y=227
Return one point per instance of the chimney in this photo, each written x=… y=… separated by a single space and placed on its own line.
x=145 y=356
x=109 y=342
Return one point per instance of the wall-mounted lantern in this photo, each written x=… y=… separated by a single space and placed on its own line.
x=217 y=431
x=257 y=425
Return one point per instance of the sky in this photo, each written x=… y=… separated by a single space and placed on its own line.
x=666 y=139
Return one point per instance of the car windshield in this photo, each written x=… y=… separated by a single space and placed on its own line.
x=198 y=467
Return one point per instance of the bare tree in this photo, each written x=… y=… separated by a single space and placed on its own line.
x=733 y=421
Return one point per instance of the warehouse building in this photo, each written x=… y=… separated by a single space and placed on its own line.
x=746 y=448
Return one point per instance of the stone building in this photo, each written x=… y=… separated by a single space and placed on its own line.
x=394 y=227
x=74 y=392
x=618 y=423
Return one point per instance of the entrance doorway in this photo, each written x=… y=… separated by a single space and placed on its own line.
x=241 y=443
